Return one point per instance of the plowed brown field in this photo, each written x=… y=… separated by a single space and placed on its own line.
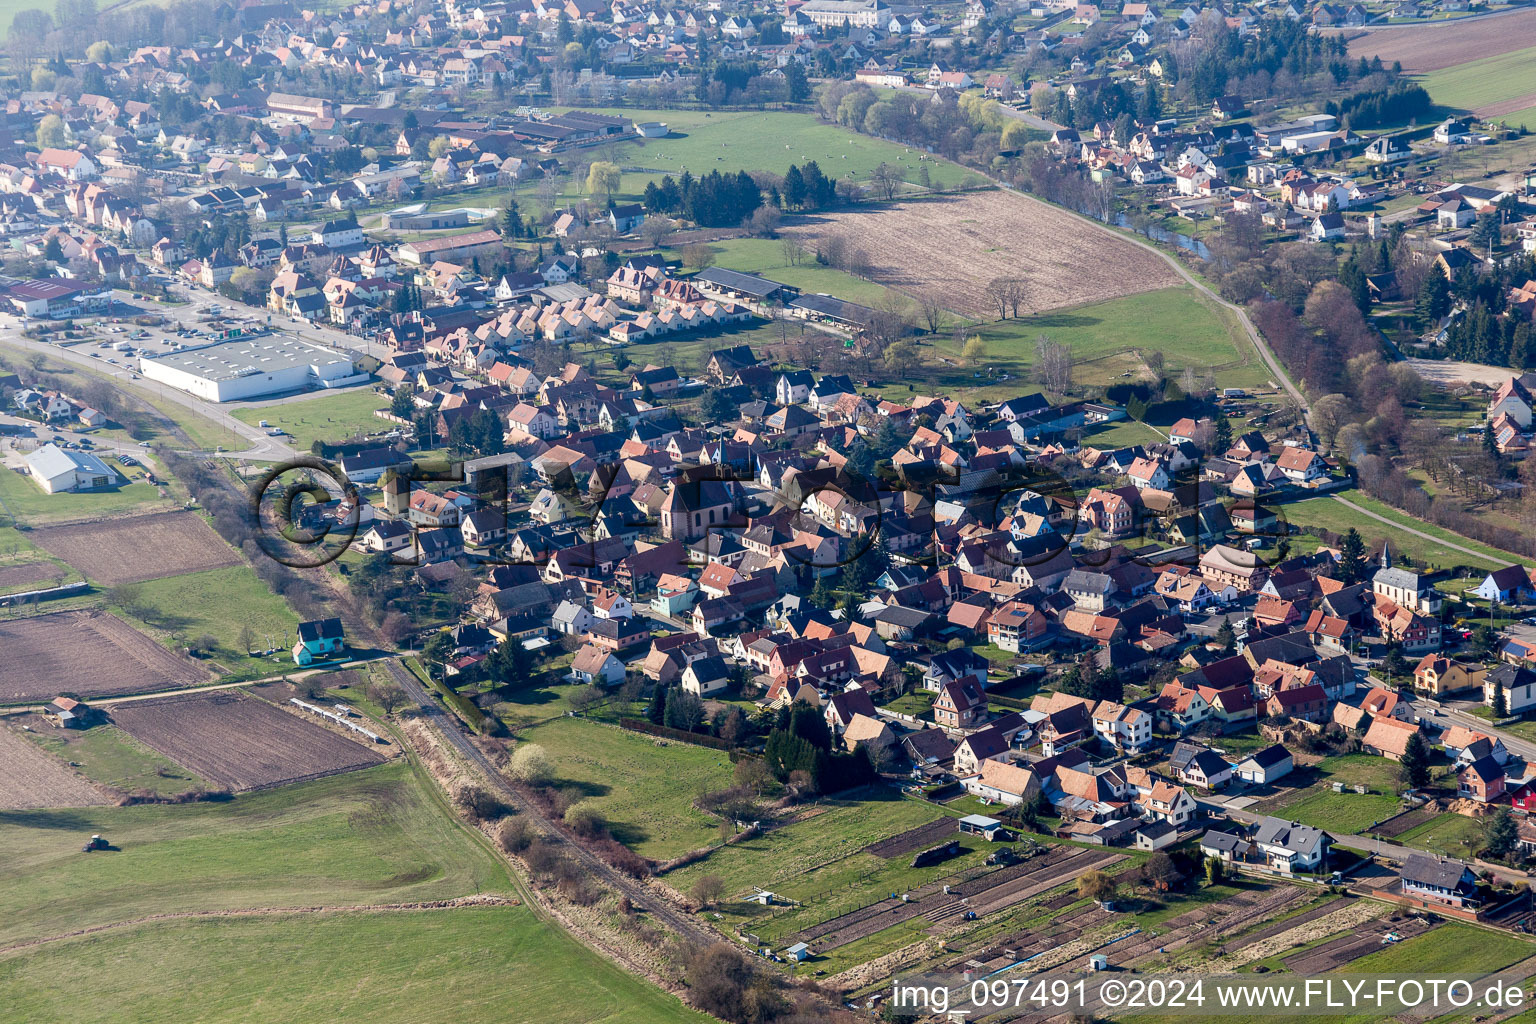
x=950 y=249
x=1434 y=46
x=86 y=653
x=31 y=777
x=240 y=742
x=138 y=548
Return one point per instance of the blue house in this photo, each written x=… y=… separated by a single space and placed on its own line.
x=318 y=638
x=1509 y=585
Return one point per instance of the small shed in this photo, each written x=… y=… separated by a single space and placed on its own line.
x=980 y=825
x=798 y=952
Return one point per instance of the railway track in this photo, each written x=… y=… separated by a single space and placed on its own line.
x=640 y=895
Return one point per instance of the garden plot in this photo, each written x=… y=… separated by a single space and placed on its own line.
x=18 y=576
x=1348 y=948
x=86 y=653
x=1269 y=931
x=239 y=742
x=31 y=777
x=912 y=840
x=1003 y=889
x=138 y=548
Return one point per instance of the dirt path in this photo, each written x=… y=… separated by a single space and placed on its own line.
x=1417 y=533
x=1271 y=362
x=477 y=900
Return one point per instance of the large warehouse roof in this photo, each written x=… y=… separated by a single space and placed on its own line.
x=243 y=357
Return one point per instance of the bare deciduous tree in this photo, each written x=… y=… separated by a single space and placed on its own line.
x=1053 y=365
x=887 y=179
x=934 y=315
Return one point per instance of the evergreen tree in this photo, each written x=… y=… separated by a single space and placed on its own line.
x=1352 y=557
x=1501 y=836
x=1414 y=767
x=657 y=712
x=1353 y=280
x=1434 y=298
x=1223 y=432
x=1226 y=636
x=1500 y=702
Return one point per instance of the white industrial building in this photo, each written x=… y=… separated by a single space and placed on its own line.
x=245 y=368
x=57 y=470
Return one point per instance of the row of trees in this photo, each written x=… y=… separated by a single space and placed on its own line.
x=714 y=200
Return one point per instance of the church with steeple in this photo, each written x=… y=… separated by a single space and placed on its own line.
x=1409 y=589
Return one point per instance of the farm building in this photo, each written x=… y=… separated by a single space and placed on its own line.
x=833 y=311
x=243 y=368
x=734 y=286
x=68 y=713
x=57 y=470
x=318 y=638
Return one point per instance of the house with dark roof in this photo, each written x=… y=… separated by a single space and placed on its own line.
x=1483 y=780
x=1439 y=880
x=1233 y=849
x=960 y=705
x=1265 y=766
x=1290 y=847
x=953 y=666
x=318 y=638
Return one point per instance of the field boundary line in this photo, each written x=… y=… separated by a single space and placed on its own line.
x=457 y=903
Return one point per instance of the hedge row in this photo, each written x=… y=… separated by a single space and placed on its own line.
x=652 y=729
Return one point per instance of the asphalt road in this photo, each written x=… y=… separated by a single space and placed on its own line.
x=262 y=447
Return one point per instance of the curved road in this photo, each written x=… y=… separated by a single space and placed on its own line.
x=683 y=925
x=263 y=448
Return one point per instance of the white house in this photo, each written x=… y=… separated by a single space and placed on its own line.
x=57 y=470
x=1265 y=766
x=571 y=619
x=1289 y=847
x=706 y=676
x=596 y=665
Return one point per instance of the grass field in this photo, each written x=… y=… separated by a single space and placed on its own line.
x=766 y=256
x=432 y=967
x=1478 y=84
x=796 y=860
x=1328 y=514
x=1450 y=949
x=1525 y=118
x=1348 y=811
x=1338 y=812
x=220 y=602
x=106 y=754
x=704 y=141
x=31 y=505
x=646 y=791
x=1102 y=335
x=1454 y=835
x=370 y=837
x=330 y=418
